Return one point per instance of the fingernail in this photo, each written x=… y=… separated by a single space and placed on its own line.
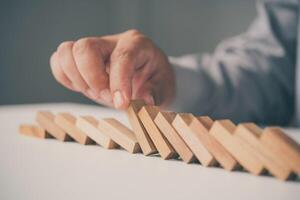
x=92 y=93
x=118 y=99
x=106 y=95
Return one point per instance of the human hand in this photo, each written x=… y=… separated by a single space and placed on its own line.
x=114 y=69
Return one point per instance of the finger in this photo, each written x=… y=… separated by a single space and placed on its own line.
x=90 y=55
x=129 y=55
x=99 y=100
x=141 y=77
x=68 y=65
x=146 y=93
x=58 y=73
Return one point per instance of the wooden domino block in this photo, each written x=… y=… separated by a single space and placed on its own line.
x=200 y=127
x=140 y=132
x=181 y=124
x=89 y=126
x=33 y=131
x=218 y=130
x=68 y=123
x=147 y=115
x=120 y=134
x=238 y=149
x=284 y=146
x=163 y=120
x=250 y=134
x=45 y=119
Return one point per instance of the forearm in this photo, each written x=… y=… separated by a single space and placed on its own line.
x=249 y=77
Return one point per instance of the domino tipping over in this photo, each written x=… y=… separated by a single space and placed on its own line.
x=68 y=123
x=163 y=120
x=147 y=115
x=139 y=130
x=181 y=124
x=119 y=133
x=89 y=126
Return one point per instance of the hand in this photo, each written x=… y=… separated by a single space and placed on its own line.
x=114 y=69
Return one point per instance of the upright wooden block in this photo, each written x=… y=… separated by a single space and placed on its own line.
x=45 y=119
x=284 y=146
x=237 y=147
x=33 y=131
x=140 y=132
x=147 y=115
x=164 y=120
x=181 y=124
x=219 y=130
x=68 y=123
x=120 y=134
x=89 y=126
x=250 y=134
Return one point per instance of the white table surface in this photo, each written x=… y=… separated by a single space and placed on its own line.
x=48 y=169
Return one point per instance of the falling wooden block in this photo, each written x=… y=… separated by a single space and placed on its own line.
x=284 y=146
x=140 y=132
x=33 y=131
x=45 y=119
x=237 y=148
x=68 y=123
x=250 y=134
x=147 y=115
x=181 y=124
x=163 y=120
x=200 y=127
x=89 y=126
x=219 y=130
x=120 y=134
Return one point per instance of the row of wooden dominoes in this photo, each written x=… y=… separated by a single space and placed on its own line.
x=184 y=135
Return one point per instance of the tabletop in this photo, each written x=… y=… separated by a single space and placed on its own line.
x=33 y=168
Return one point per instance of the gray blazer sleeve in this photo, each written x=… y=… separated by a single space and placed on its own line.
x=249 y=77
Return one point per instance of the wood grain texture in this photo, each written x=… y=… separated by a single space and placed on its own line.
x=238 y=149
x=200 y=127
x=89 y=126
x=139 y=130
x=220 y=129
x=67 y=122
x=119 y=133
x=181 y=123
x=283 y=145
x=33 y=131
x=147 y=115
x=45 y=119
x=250 y=134
x=164 y=120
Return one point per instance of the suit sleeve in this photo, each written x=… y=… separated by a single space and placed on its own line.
x=249 y=77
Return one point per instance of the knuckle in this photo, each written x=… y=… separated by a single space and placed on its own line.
x=133 y=32
x=141 y=41
x=136 y=37
x=64 y=46
x=124 y=53
x=84 y=45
